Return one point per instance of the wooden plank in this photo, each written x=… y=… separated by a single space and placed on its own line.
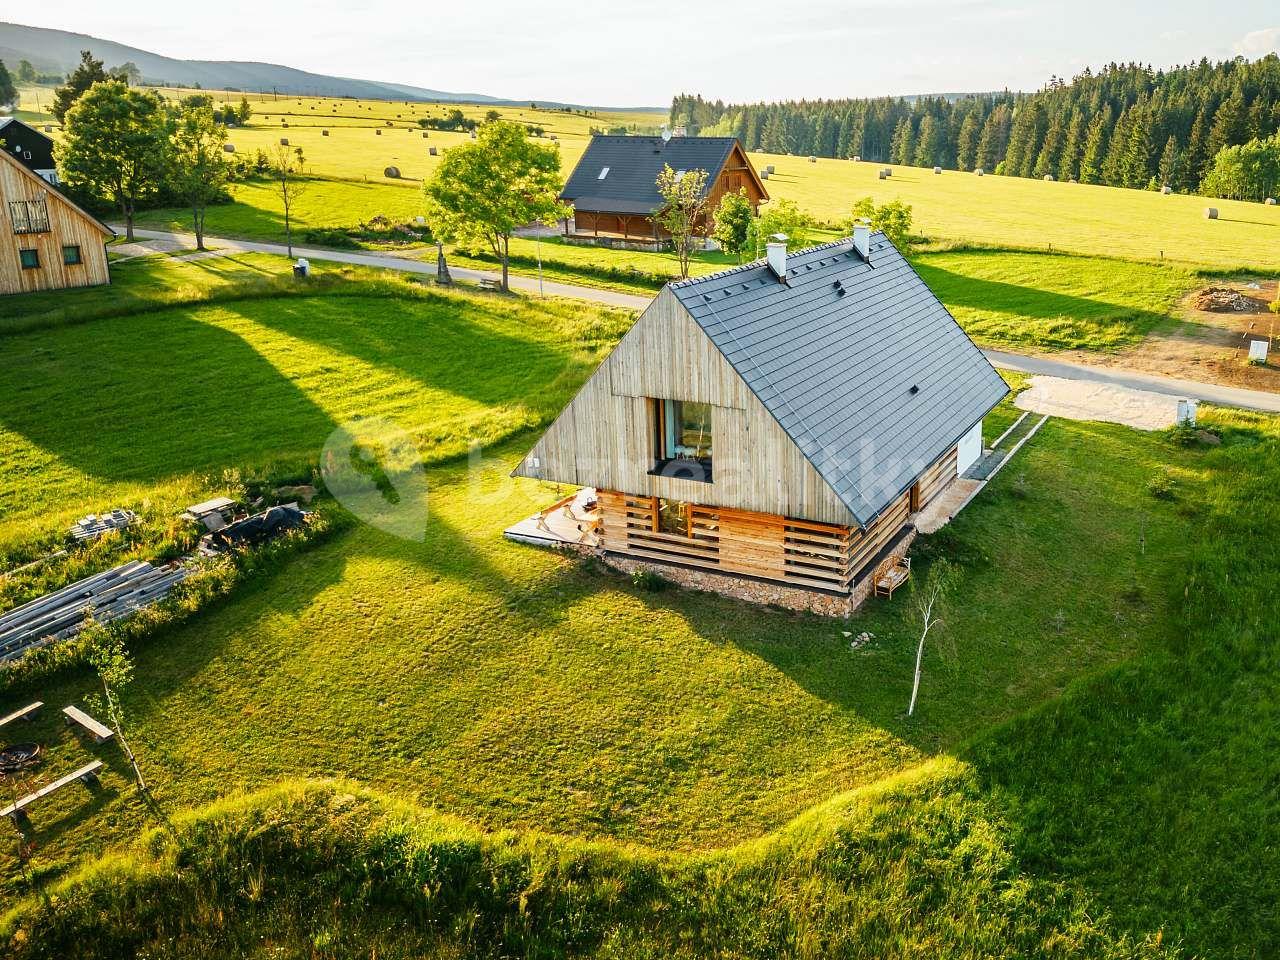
x=101 y=733
x=85 y=774
x=26 y=713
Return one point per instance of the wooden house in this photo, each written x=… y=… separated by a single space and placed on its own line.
x=614 y=192
x=771 y=431
x=49 y=242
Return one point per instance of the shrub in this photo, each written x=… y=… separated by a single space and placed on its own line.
x=1162 y=486
x=649 y=581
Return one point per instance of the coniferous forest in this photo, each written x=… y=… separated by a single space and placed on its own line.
x=1127 y=125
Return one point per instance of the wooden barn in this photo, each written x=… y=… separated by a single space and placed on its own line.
x=50 y=241
x=771 y=431
x=614 y=192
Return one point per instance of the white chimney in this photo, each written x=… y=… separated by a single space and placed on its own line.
x=862 y=239
x=776 y=249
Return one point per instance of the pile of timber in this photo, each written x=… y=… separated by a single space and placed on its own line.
x=96 y=524
x=109 y=596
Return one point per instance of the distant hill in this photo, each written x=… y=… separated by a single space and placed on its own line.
x=58 y=51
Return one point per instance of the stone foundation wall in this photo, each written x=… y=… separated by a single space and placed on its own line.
x=758 y=591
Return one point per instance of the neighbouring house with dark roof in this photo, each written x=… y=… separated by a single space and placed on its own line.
x=614 y=191
x=47 y=241
x=772 y=431
x=29 y=147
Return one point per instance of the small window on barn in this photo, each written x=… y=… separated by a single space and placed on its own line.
x=682 y=439
x=604 y=172
x=30 y=259
x=71 y=255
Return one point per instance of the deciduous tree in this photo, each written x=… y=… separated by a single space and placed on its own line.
x=286 y=166
x=930 y=601
x=780 y=216
x=684 y=201
x=733 y=223
x=8 y=92
x=199 y=171
x=115 y=146
x=893 y=219
x=483 y=190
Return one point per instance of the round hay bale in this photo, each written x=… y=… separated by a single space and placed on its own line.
x=424 y=135
x=883 y=174
x=378 y=132
x=284 y=141
x=431 y=151
x=324 y=133
x=1048 y=178
x=770 y=168
x=1166 y=190
x=857 y=158
x=813 y=159
x=1271 y=201
x=937 y=170
x=391 y=173
x=1211 y=213
x=229 y=147
x=48 y=128
x=888 y=171
x=764 y=174
x=978 y=172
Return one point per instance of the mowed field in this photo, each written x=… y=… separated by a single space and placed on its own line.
x=365 y=137
x=560 y=696
x=517 y=688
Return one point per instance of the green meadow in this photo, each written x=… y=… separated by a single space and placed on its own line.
x=659 y=761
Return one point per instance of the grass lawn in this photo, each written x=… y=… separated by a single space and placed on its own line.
x=1052 y=300
x=509 y=685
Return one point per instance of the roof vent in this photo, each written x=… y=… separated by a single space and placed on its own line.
x=862 y=239
x=915 y=388
x=776 y=249
x=839 y=287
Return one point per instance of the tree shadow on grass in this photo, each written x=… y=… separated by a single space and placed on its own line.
x=989 y=297
x=467 y=348
x=154 y=396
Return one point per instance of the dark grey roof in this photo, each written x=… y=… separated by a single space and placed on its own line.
x=634 y=164
x=838 y=371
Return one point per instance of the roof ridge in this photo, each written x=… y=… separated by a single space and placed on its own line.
x=692 y=281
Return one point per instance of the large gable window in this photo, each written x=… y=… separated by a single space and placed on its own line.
x=683 y=434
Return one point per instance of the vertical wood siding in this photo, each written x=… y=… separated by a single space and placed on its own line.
x=67 y=227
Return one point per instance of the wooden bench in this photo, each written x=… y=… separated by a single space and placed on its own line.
x=891 y=575
x=26 y=713
x=88 y=774
x=489 y=283
x=100 y=732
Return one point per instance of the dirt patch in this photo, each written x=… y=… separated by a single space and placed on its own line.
x=1225 y=300
x=1208 y=345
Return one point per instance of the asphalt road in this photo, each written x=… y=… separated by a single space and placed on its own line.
x=1208 y=392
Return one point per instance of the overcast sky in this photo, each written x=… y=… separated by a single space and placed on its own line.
x=641 y=53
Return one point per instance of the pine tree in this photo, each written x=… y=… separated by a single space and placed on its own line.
x=1051 y=152
x=1136 y=167
x=1069 y=165
x=1170 y=163
x=994 y=141
x=1113 y=166
x=902 y=149
x=1197 y=159
x=927 y=142
x=1230 y=123
x=967 y=141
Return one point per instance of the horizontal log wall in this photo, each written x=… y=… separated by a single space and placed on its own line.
x=936 y=477
x=799 y=552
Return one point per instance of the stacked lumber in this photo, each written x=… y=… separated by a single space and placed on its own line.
x=109 y=596
x=96 y=524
